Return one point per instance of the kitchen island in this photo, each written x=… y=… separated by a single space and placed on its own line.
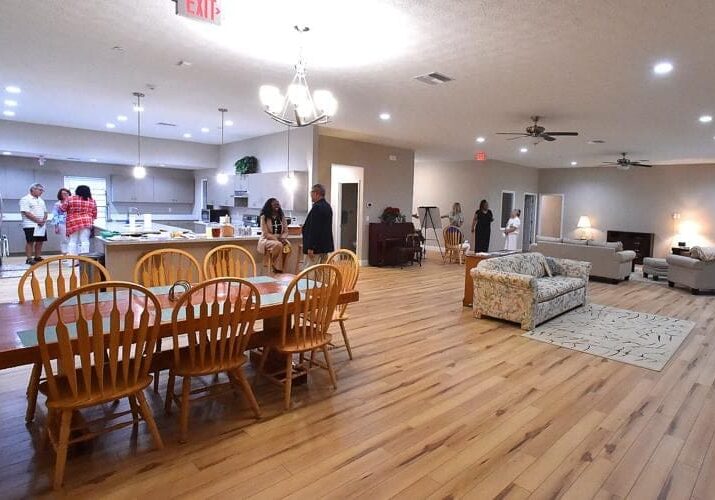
x=122 y=251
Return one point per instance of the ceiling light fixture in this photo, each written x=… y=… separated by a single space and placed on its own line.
x=110 y=125
x=524 y=150
x=480 y=139
x=290 y=183
x=13 y=89
x=662 y=68
x=221 y=177
x=139 y=171
x=205 y=130
x=574 y=163
x=93 y=160
x=297 y=108
x=138 y=108
x=385 y=116
x=10 y=103
x=705 y=119
x=228 y=123
x=122 y=118
x=6 y=153
x=187 y=135
x=8 y=112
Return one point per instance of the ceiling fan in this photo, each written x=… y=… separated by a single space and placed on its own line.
x=625 y=163
x=537 y=132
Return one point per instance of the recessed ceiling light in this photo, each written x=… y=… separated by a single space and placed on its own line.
x=205 y=130
x=10 y=103
x=480 y=139
x=705 y=119
x=110 y=125
x=596 y=141
x=139 y=172
x=385 y=116
x=118 y=48
x=8 y=112
x=662 y=68
x=138 y=109
x=13 y=89
x=574 y=163
x=121 y=118
x=524 y=150
x=6 y=153
x=162 y=165
x=183 y=63
x=93 y=160
x=187 y=135
x=228 y=123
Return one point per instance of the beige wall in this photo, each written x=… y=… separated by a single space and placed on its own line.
x=640 y=199
x=386 y=182
x=442 y=183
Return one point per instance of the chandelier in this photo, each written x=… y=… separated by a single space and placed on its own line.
x=297 y=108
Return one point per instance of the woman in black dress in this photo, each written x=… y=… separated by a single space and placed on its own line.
x=481 y=226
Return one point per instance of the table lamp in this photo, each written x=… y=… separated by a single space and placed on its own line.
x=584 y=223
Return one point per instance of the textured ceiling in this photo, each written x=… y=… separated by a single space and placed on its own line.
x=584 y=65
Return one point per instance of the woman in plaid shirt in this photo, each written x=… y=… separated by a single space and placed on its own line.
x=81 y=211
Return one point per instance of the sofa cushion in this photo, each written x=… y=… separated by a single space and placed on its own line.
x=616 y=245
x=594 y=243
x=550 y=288
x=569 y=241
x=530 y=264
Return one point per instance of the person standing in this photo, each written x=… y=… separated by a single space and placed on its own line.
x=81 y=211
x=482 y=227
x=274 y=233
x=59 y=219
x=512 y=230
x=318 y=229
x=34 y=217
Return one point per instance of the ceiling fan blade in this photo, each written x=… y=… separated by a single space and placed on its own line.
x=638 y=164
x=547 y=137
x=512 y=133
x=609 y=163
x=562 y=133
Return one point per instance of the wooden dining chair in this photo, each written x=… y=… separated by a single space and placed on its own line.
x=453 y=239
x=308 y=307
x=220 y=315
x=348 y=264
x=48 y=279
x=103 y=346
x=164 y=267
x=229 y=261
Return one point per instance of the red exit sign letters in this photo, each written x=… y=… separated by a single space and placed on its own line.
x=202 y=10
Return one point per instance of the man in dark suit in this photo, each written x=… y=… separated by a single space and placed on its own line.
x=318 y=229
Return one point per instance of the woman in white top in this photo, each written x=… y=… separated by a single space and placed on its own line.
x=456 y=219
x=512 y=230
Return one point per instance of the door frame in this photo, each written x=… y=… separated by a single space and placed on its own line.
x=347 y=174
x=563 y=202
x=536 y=218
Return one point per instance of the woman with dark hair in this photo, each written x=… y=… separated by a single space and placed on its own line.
x=81 y=211
x=59 y=219
x=482 y=227
x=274 y=233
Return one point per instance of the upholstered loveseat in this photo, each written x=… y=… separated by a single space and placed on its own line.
x=608 y=260
x=696 y=272
x=528 y=288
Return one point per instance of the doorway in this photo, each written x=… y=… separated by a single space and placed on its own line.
x=551 y=215
x=348 y=215
x=346 y=197
x=528 y=235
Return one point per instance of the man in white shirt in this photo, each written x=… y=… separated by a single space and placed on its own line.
x=34 y=216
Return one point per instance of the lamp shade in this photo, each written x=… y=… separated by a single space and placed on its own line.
x=584 y=222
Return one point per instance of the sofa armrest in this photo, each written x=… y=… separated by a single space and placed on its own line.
x=572 y=268
x=683 y=261
x=510 y=279
x=626 y=255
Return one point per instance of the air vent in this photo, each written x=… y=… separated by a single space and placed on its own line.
x=433 y=78
x=166 y=124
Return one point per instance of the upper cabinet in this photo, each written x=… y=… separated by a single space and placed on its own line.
x=15 y=182
x=271 y=185
x=153 y=189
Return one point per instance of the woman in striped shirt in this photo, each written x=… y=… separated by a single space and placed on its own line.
x=81 y=211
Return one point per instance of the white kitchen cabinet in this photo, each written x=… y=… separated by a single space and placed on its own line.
x=240 y=183
x=270 y=185
x=173 y=190
x=220 y=195
x=16 y=183
x=127 y=189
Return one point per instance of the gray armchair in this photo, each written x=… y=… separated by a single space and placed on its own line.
x=693 y=273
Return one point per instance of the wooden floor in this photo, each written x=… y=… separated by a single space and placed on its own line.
x=435 y=404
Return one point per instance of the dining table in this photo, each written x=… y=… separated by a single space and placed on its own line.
x=18 y=321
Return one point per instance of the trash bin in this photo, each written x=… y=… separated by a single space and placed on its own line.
x=90 y=270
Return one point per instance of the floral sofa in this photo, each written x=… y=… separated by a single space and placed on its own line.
x=528 y=288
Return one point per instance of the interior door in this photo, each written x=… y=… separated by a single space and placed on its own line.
x=528 y=221
x=348 y=215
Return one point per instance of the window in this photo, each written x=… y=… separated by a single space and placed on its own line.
x=98 y=186
x=507 y=205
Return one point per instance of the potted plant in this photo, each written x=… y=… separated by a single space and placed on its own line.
x=390 y=215
x=246 y=165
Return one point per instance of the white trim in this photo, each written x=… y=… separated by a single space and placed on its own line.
x=563 y=203
x=347 y=174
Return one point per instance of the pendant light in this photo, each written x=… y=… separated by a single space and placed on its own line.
x=290 y=183
x=139 y=170
x=221 y=177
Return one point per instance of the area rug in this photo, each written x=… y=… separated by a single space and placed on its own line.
x=640 y=339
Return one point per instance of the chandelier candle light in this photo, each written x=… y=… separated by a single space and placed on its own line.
x=297 y=108
x=139 y=169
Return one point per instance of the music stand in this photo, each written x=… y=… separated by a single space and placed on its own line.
x=429 y=217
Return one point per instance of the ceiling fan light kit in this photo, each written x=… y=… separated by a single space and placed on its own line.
x=538 y=132
x=625 y=163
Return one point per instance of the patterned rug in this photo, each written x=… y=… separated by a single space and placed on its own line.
x=640 y=339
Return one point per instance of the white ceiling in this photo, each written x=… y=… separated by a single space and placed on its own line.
x=584 y=65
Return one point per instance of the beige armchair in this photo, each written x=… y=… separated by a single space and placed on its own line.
x=693 y=273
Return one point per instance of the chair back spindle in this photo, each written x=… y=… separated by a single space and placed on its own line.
x=229 y=261
x=165 y=267
x=348 y=265
x=56 y=276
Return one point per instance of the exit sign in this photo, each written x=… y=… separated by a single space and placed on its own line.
x=202 y=10
x=480 y=156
